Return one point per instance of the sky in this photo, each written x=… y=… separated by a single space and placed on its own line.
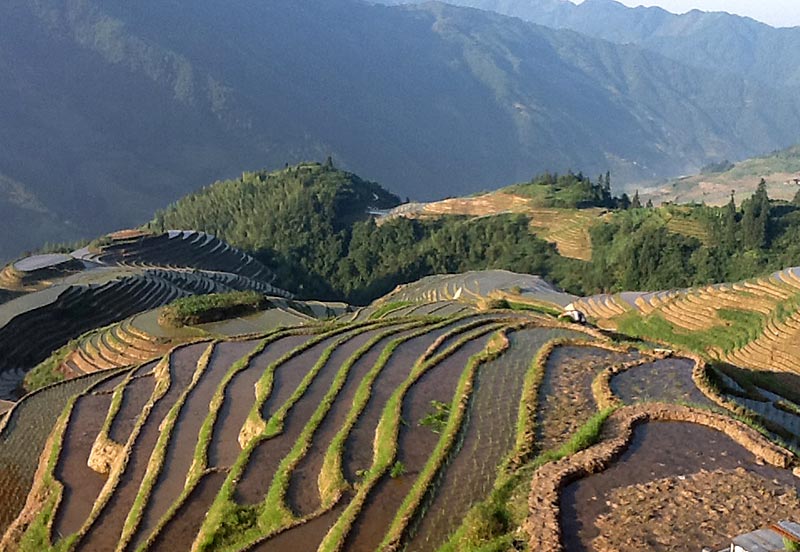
x=778 y=13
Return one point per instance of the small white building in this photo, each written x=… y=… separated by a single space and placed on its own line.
x=771 y=539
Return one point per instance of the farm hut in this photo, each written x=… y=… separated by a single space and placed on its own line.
x=776 y=538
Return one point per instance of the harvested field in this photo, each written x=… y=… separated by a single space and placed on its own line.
x=696 y=511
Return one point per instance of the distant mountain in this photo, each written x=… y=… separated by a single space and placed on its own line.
x=713 y=186
x=716 y=41
x=113 y=109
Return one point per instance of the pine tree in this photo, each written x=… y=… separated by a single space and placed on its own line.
x=730 y=226
x=755 y=221
x=649 y=204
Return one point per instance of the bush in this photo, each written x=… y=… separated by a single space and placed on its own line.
x=199 y=309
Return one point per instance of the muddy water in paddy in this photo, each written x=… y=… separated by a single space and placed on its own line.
x=565 y=397
x=357 y=454
x=415 y=445
x=488 y=436
x=289 y=375
x=109 y=385
x=135 y=395
x=181 y=530
x=107 y=528
x=268 y=454
x=658 y=450
x=81 y=484
x=239 y=398
x=23 y=439
x=303 y=494
x=667 y=380
x=305 y=537
x=182 y=443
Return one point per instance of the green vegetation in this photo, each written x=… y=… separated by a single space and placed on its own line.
x=437 y=419
x=398 y=469
x=388 y=308
x=791 y=545
x=739 y=328
x=570 y=191
x=199 y=309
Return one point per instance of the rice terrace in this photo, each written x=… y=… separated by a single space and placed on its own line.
x=456 y=412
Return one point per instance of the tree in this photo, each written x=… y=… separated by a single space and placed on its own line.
x=649 y=204
x=755 y=221
x=636 y=203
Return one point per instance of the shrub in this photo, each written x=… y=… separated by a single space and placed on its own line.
x=199 y=309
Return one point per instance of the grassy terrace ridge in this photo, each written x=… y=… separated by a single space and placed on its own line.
x=156 y=462
x=254 y=424
x=742 y=327
x=216 y=533
x=273 y=513
x=386 y=445
x=37 y=535
x=331 y=481
x=424 y=483
x=199 y=309
x=162 y=385
x=199 y=466
x=388 y=308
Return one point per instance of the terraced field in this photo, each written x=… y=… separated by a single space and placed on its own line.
x=567 y=228
x=60 y=297
x=434 y=419
x=753 y=324
x=311 y=434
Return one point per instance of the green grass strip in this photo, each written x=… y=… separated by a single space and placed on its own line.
x=156 y=461
x=38 y=535
x=444 y=446
x=163 y=382
x=199 y=465
x=274 y=514
x=388 y=308
x=386 y=445
x=255 y=425
x=331 y=479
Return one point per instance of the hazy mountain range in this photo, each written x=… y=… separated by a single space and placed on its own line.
x=112 y=109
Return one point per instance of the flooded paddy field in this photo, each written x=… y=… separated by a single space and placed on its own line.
x=486 y=439
x=666 y=380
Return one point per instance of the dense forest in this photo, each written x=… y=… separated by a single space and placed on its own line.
x=310 y=223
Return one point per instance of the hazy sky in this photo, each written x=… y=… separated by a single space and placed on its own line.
x=778 y=13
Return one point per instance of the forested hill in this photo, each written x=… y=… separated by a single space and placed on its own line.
x=310 y=224
x=113 y=109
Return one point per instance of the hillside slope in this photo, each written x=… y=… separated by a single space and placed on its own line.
x=714 y=41
x=432 y=101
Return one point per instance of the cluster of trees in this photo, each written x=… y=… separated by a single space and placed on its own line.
x=310 y=224
x=574 y=191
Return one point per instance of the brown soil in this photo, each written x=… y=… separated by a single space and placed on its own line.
x=239 y=398
x=81 y=484
x=682 y=513
x=357 y=453
x=181 y=530
x=136 y=394
x=303 y=495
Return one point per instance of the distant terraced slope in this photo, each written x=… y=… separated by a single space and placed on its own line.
x=567 y=228
x=753 y=324
x=59 y=297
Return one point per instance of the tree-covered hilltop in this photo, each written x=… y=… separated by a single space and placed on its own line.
x=311 y=224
